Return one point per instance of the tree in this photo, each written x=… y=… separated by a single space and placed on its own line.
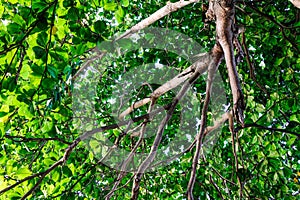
x=80 y=118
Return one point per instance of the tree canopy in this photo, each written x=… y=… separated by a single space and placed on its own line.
x=119 y=99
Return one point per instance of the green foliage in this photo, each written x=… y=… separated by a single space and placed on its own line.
x=42 y=46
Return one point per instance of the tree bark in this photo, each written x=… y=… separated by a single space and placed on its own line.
x=223 y=12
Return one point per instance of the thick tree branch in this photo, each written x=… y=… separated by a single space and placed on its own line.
x=223 y=11
x=217 y=55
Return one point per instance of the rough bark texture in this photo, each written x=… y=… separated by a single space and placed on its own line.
x=223 y=12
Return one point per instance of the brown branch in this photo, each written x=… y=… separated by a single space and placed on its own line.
x=20 y=63
x=253 y=7
x=233 y=138
x=296 y=3
x=75 y=143
x=275 y=22
x=173 y=83
x=224 y=12
x=131 y=154
x=208 y=130
x=149 y=159
x=251 y=65
x=269 y=129
x=47 y=49
x=162 y=12
x=29 y=30
x=213 y=66
x=24 y=139
x=293 y=43
x=215 y=186
x=8 y=67
x=223 y=178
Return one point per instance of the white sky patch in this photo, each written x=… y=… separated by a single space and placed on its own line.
x=225 y=107
x=112 y=101
x=262 y=64
x=135 y=37
x=167 y=151
x=251 y=48
x=5 y=22
x=181 y=148
x=158 y=65
x=189 y=137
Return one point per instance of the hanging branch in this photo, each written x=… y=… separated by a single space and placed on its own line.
x=226 y=40
x=149 y=159
x=217 y=55
x=224 y=14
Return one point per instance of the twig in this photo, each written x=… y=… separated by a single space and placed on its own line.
x=20 y=63
x=269 y=129
x=250 y=64
x=24 y=139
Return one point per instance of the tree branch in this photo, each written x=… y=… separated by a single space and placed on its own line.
x=217 y=56
x=167 y=9
x=149 y=159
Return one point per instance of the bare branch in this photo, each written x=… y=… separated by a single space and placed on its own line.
x=213 y=66
x=200 y=65
x=146 y=163
x=167 y=9
x=295 y=3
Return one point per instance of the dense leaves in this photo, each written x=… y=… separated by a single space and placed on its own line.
x=43 y=45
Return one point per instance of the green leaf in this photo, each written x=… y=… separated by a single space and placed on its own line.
x=125 y=43
x=73 y=13
x=56 y=176
x=39 y=5
x=47 y=126
x=291 y=140
x=125 y=3
x=68 y=3
x=13 y=28
x=295 y=118
x=24 y=111
x=23 y=172
x=110 y=6
x=279 y=61
x=18 y=19
x=42 y=39
x=119 y=14
x=66 y=171
x=52 y=71
x=99 y=26
x=39 y=52
x=1 y=10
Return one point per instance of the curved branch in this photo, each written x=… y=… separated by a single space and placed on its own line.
x=217 y=57
x=167 y=9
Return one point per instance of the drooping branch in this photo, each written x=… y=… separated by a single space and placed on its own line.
x=149 y=159
x=217 y=56
x=223 y=12
x=122 y=172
